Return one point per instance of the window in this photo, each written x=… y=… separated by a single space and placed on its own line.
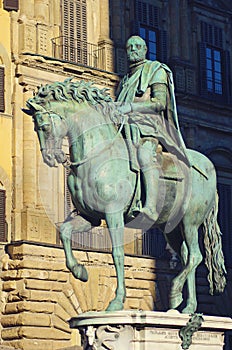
x=2 y=88
x=74 y=31
x=148 y=27
x=214 y=70
x=150 y=37
x=10 y=5
x=3 y=228
x=214 y=74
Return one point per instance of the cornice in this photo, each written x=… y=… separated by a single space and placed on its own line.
x=219 y=7
x=51 y=70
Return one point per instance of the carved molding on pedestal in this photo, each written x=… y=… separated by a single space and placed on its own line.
x=107 y=337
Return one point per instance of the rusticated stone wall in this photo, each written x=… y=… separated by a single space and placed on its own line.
x=39 y=294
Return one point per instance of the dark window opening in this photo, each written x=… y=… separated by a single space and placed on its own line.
x=11 y=5
x=150 y=36
x=214 y=70
x=214 y=62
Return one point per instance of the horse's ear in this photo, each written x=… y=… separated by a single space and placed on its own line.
x=27 y=111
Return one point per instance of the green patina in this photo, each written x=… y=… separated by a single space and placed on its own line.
x=104 y=140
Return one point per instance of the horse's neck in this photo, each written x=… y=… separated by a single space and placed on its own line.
x=89 y=132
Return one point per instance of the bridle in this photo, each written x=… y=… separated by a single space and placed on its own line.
x=67 y=163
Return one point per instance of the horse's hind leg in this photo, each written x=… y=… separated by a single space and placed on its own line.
x=176 y=242
x=191 y=257
x=115 y=225
x=66 y=229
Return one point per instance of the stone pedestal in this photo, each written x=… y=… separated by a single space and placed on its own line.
x=145 y=330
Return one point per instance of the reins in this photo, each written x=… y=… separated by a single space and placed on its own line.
x=87 y=159
x=67 y=163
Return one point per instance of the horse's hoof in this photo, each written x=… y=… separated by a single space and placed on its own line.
x=80 y=272
x=175 y=300
x=115 y=305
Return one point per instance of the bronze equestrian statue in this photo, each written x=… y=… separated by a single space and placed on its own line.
x=119 y=172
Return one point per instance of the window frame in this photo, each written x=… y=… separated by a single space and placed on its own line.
x=147 y=31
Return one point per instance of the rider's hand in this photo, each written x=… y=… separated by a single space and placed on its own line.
x=124 y=107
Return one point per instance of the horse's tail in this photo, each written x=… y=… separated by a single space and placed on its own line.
x=214 y=256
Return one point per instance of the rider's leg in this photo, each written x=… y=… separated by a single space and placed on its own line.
x=150 y=171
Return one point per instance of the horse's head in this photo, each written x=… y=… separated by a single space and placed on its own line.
x=50 y=129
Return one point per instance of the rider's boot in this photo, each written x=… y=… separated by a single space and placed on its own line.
x=148 y=163
x=151 y=183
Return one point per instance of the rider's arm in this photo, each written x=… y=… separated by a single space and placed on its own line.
x=158 y=97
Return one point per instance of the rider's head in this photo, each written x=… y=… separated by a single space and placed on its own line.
x=136 y=49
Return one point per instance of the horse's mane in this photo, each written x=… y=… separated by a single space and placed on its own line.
x=79 y=91
x=69 y=90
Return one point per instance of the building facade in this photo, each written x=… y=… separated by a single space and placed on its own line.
x=43 y=41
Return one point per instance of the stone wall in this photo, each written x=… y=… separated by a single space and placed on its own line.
x=39 y=294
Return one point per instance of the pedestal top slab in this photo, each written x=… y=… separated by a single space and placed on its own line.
x=147 y=318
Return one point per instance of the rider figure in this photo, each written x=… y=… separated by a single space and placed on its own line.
x=148 y=88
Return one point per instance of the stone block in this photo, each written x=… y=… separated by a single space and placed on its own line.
x=26 y=319
x=135 y=293
x=60 y=324
x=46 y=333
x=66 y=305
x=144 y=275
x=39 y=344
x=58 y=276
x=43 y=285
x=38 y=274
x=8 y=286
x=8 y=275
x=133 y=303
x=21 y=306
x=138 y=284
x=61 y=313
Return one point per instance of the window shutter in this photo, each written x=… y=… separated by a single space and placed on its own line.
x=202 y=76
x=74 y=30
x=3 y=233
x=81 y=29
x=2 y=89
x=11 y=5
x=147 y=14
x=227 y=75
x=180 y=79
x=190 y=81
x=121 y=61
x=211 y=35
x=218 y=37
x=163 y=46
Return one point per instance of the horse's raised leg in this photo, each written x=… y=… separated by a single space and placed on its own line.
x=66 y=229
x=191 y=257
x=115 y=224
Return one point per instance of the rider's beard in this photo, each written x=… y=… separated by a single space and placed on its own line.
x=134 y=57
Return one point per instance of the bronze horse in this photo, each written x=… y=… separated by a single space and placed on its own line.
x=103 y=185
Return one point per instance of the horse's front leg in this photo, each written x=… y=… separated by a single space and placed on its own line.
x=115 y=225
x=66 y=229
